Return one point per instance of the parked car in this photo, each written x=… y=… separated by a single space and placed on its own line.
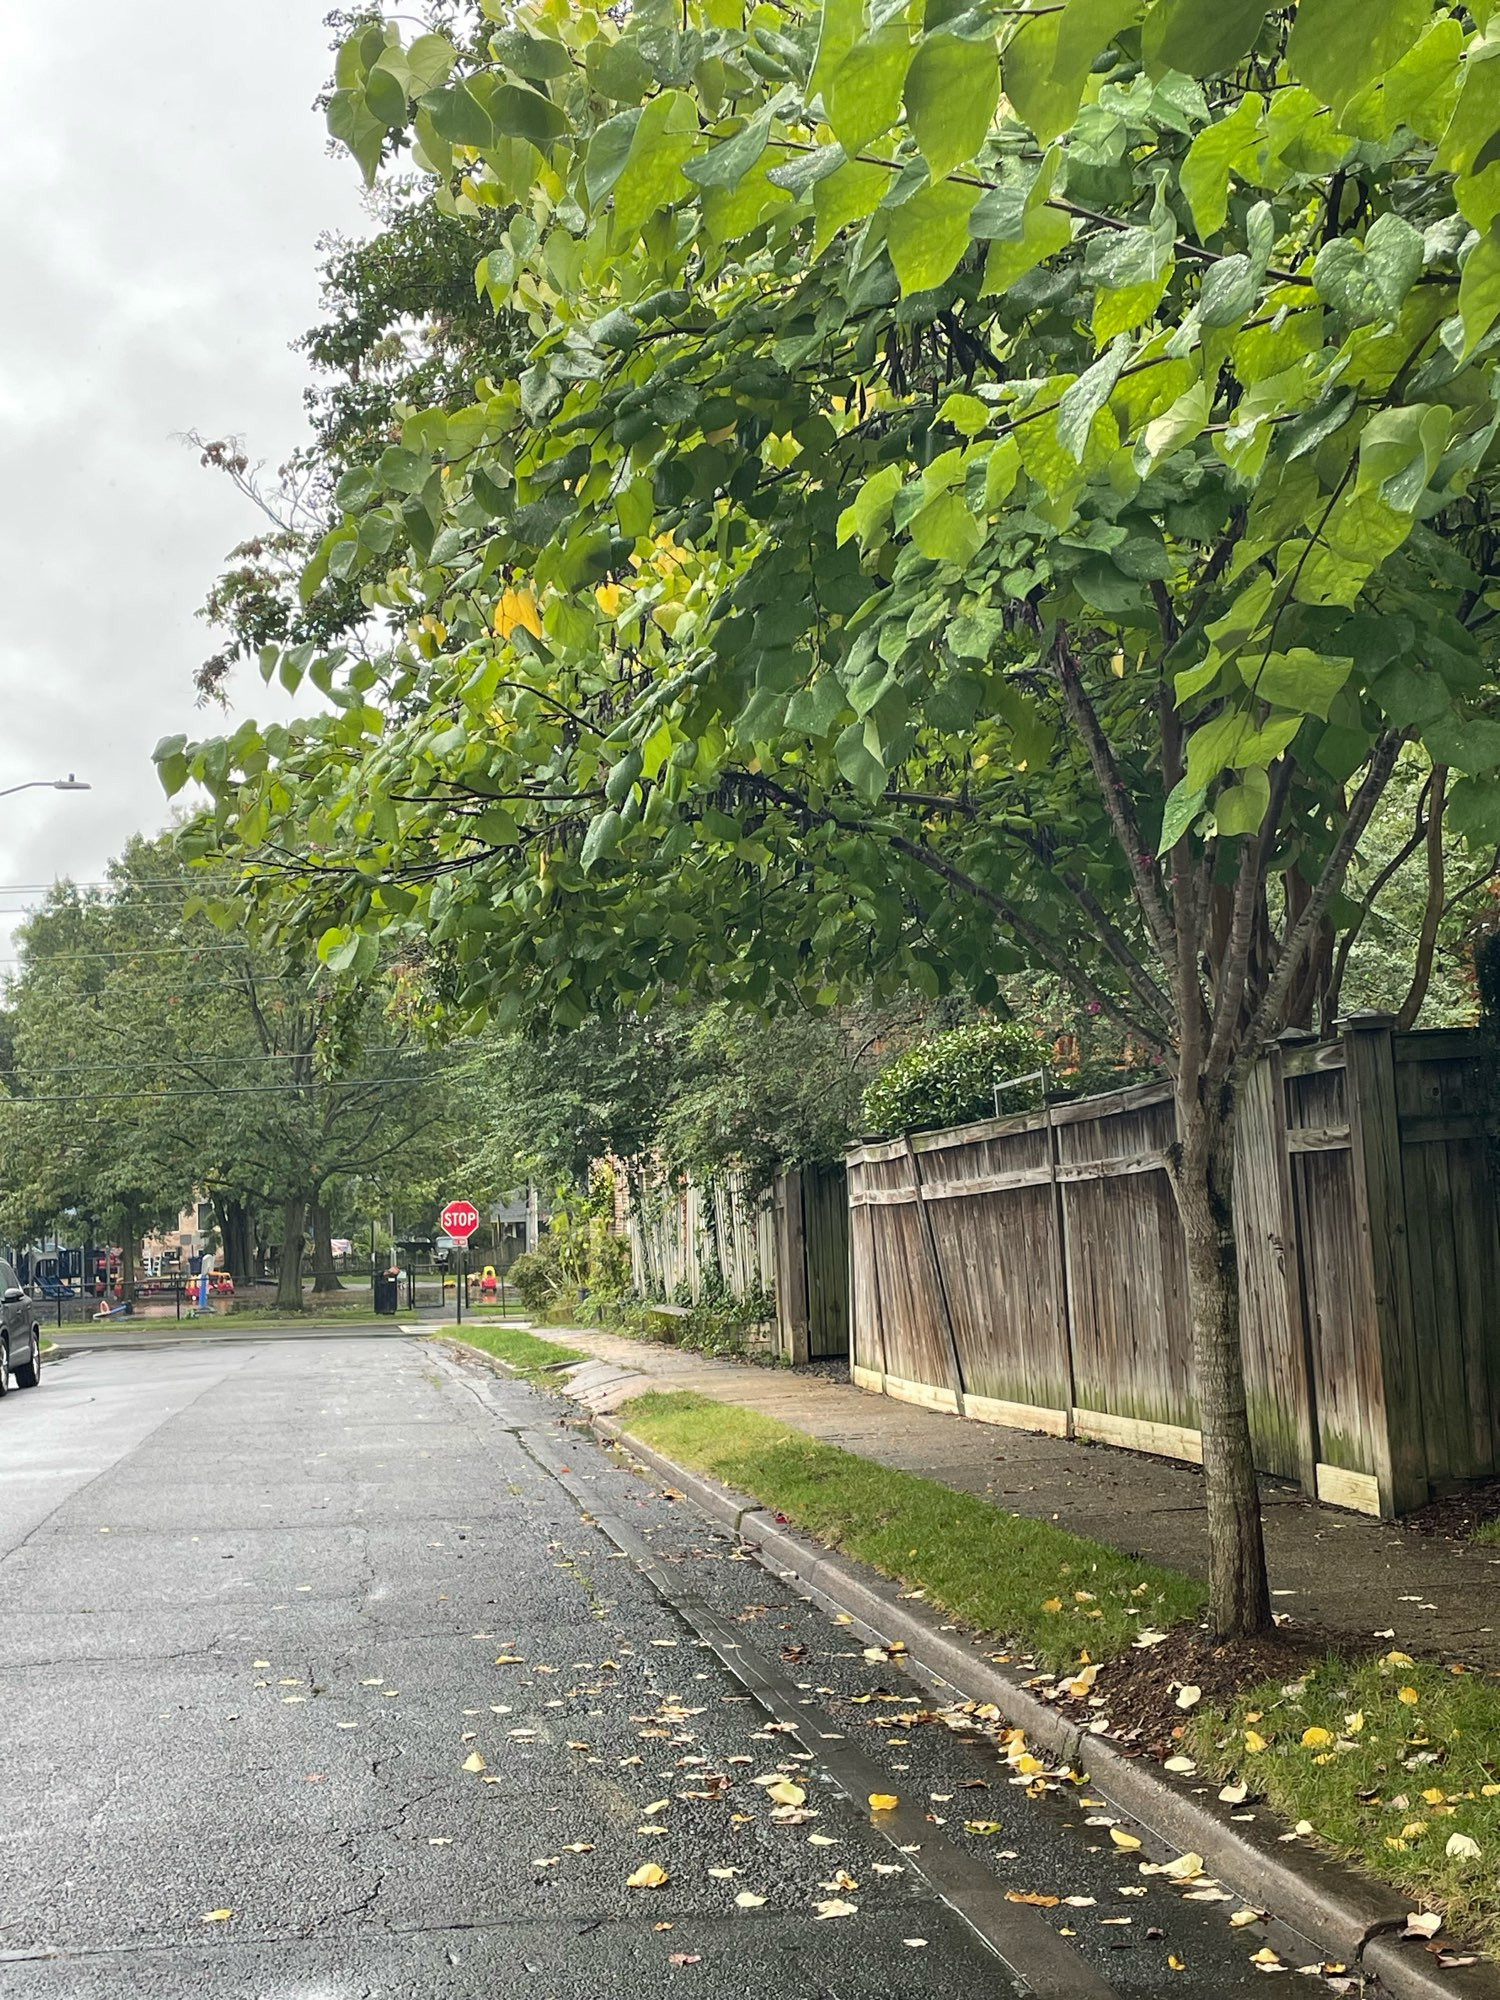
x=20 y=1333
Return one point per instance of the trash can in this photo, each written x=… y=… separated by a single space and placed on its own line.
x=385 y=1292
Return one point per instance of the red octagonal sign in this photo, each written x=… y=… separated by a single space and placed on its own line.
x=460 y=1219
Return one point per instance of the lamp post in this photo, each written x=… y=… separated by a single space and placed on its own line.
x=67 y=784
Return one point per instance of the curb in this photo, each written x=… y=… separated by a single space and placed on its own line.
x=1354 y=1918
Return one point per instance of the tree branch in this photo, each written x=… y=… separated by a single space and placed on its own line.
x=1432 y=914
x=1266 y=1019
x=1037 y=940
x=1118 y=803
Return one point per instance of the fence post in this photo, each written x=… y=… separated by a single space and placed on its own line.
x=930 y=1238
x=1380 y=1219
x=1061 y=1281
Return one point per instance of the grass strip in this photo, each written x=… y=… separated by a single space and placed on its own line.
x=1394 y=1762
x=518 y=1350
x=1056 y=1596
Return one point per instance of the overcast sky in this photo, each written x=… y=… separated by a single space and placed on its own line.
x=166 y=180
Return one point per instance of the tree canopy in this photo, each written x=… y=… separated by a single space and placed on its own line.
x=989 y=486
x=157 y=1060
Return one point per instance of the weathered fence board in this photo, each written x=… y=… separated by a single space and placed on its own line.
x=1031 y=1269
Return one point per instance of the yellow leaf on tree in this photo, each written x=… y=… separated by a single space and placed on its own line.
x=609 y=597
x=884 y=1801
x=516 y=610
x=647 y=1876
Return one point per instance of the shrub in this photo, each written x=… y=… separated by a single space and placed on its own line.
x=951 y=1080
x=537 y=1276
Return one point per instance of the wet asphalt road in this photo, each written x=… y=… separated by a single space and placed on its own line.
x=339 y=1638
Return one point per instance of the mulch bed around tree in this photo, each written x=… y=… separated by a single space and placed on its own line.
x=1140 y=1691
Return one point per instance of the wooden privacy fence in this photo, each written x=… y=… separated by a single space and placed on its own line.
x=791 y=1243
x=1031 y=1270
x=681 y=1233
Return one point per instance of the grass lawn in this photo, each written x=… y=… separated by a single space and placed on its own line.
x=1057 y=1596
x=1396 y=1764
x=519 y=1350
x=1487 y=1535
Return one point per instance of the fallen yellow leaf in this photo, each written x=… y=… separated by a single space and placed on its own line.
x=1316 y=1739
x=1123 y=1839
x=833 y=1907
x=1408 y=1695
x=1255 y=1742
x=218 y=1916
x=884 y=1801
x=647 y=1876
x=784 y=1792
x=1184 y=1868
x=748 y=1900
x=1033 y=1897
x=473 y=1762
x=1052 y=1604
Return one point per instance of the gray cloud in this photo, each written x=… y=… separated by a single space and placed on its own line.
x=166 y=180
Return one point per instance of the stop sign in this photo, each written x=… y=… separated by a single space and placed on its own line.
x=460 y=1219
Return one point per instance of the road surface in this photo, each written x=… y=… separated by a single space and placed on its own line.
x=342 y=1670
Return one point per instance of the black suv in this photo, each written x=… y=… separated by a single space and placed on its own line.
x=20 y=1333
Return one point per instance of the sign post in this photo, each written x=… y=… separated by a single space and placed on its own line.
x=459 y=1220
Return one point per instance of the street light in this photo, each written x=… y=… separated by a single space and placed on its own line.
x=67 y=784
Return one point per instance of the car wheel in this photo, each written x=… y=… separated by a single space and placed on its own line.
x=4 y=1364
x=29 y=1373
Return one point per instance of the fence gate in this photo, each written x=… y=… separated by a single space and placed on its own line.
x=812 y=1263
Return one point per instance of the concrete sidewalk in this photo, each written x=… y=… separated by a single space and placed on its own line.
x=1340 y=1572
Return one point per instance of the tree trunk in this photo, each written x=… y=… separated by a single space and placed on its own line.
x=1239 y=1598
x=325 y=1276
x=129 y=1237
x=293 y=1240
x=238 y=1248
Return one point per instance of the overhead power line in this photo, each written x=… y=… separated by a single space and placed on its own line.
x=233 y=1090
